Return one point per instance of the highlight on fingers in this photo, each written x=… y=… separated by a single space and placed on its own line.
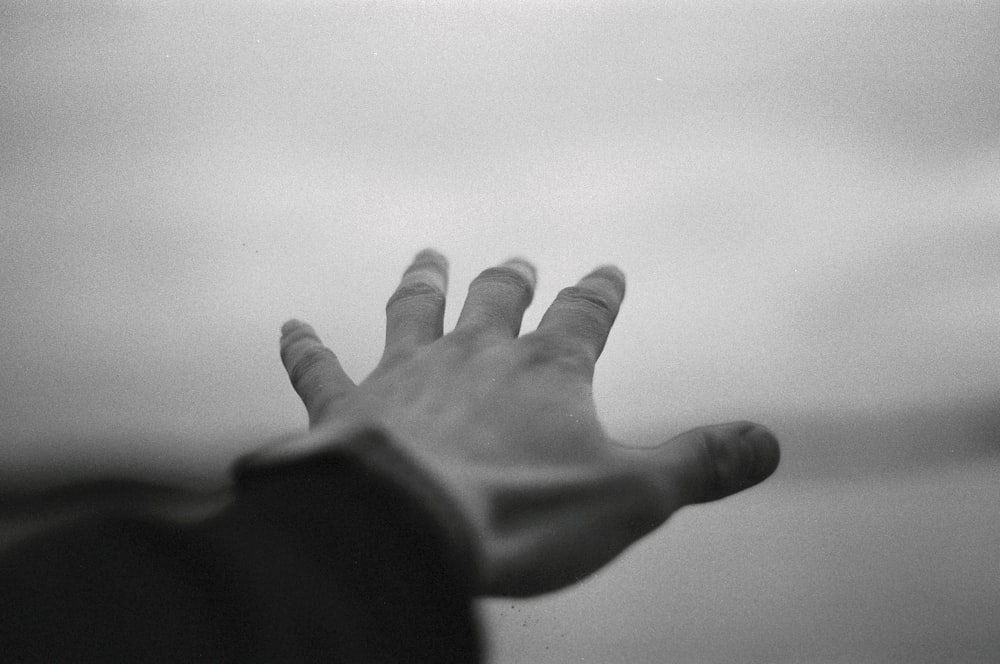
x=744 y=455
x=498 y=298
x=525 y=268
x=584 y=313
x=429 y=267
x=609 y=275
x=712 y=462
x=415 y=311
x=292 y=332
x=313 y=369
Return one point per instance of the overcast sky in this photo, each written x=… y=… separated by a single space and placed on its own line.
x=804 y=198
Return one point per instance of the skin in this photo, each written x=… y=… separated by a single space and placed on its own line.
x=506 y=423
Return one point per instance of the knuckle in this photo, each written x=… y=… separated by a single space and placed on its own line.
x=503 y=276
x=396 y=355
x=552 y=349
x=653 y=500
x=722 y=461
x=706 y=444
x=538 y=348
x=585 y=298
x=421 y=292
x=307 y=360
x=650 y=505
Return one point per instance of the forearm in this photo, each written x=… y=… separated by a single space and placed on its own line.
x=325 y=557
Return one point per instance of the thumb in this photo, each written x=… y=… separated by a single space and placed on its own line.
x=712 y=462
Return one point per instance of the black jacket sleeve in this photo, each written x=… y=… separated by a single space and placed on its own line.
x=348 y=555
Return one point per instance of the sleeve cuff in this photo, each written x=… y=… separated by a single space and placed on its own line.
x=370 y=451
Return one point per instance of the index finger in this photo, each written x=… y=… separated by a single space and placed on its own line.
x=584 y=313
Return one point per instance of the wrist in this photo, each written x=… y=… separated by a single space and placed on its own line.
x=365 y=449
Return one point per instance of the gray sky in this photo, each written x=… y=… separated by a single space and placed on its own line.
x=803 y=197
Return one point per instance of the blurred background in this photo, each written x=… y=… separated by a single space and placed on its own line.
x=804 y=197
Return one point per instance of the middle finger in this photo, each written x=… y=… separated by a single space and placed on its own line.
x=498 y=297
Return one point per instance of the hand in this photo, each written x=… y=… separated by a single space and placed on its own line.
x=507 y=423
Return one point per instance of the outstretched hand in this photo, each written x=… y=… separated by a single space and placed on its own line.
x=506 y=423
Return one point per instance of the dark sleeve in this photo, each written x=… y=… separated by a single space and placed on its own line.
x=344 y=556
